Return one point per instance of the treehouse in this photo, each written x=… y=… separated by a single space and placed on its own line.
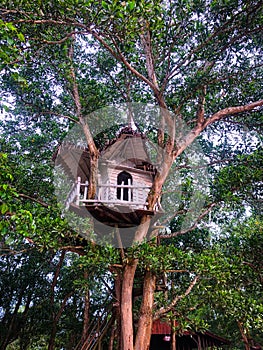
x=125 y=177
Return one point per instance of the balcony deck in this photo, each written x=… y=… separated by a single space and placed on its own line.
x=125 y=211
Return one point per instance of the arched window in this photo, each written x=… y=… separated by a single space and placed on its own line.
x=124 y=194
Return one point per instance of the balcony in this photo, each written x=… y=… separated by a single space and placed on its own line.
x=114 y=204
x=134 y=196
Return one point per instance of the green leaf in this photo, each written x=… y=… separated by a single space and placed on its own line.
x=4 y=208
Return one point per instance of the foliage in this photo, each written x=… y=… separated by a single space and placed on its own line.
x=62 y=60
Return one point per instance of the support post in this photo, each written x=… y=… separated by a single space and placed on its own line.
x=129 y=191
x=122 y=192
x=85 y=197
x=78 y=190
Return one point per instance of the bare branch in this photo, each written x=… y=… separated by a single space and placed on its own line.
x=56 y=274
x=22 y=195
x=75 y=92
x=8 y=251
x=230 y=111
x=62 y=306
x=69 y=35
x=119 y=56
x=191 y=228
x=58 y=115
x=74 y=249
x=147 y=47
x=201 y=106
x=195 y=132
x=164 y=310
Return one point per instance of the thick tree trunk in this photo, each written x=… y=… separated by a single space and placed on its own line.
x=159 y=180
x=118 y=292
x=144 y=331
x=93 y=176
x=126 y=305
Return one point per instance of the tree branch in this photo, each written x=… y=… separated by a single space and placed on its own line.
x=45 y=205
x=195 y=132
x=59 y=115
x=201 y=106
x=76 y=96
x=69 y=35
x=224 y=29
x=200 y=217
x=164 y=310
x=119 y=56
x=231 y=110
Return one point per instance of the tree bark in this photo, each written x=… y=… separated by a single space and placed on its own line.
x=112 y=337
x=156 y=190
x=52 y=339
x=93 y=151
x=173 y=336
x=143 y=336
x=12 y=323
x=243 y=335
x=118 y=292
x=51 y=343
x=85 y=329
x=126 y=305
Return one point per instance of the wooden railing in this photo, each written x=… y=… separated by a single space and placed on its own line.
x=129 y=195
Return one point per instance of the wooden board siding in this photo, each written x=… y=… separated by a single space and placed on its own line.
x=140 y=178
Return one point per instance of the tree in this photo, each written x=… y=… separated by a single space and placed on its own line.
x=201 y=60
x=233 y=294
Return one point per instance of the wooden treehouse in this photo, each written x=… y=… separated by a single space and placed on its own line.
x=125 y=177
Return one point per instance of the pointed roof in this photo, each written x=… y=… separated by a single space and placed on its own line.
x=129 y=144
x=73 y=159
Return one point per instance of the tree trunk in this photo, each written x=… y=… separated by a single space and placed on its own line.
x=112 y=337
x=12 y=323
x=156 y=190
x=94 y=157
x=244 y=335
x=126 y=305
x=173 y=336
x=51 y=343
x=144 y=331
x=93 y=177
x=85 y=329
x=52 y=339
x=118 y=281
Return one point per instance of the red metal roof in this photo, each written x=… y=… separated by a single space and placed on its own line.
x=161 y=327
